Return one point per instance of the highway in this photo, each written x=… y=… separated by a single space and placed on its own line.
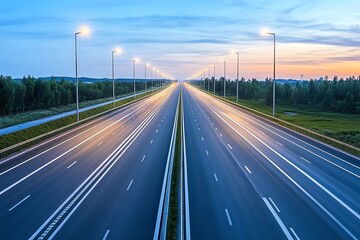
x=249 y=178
x=101 y=180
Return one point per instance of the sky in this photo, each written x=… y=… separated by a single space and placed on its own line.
x=314 y=38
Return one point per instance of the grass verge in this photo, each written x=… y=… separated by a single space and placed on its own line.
x=11 y=139
x=173 y=218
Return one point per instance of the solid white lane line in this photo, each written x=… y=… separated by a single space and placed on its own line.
x=216 y=179
x=293 y=181
x=248 y=169
x=71 y=165
x=273 y=203
x=132 y=180
x=100 y=143
x=19 y=203
x=229 y=146
x=106 y=234
x=277 y=218
x=157 y=130
x=294 y=233
x=305 y=160
x=279 y=143
x=202 y=138
x=207 y=153
x=356 y=214
x=151 y=141
x=143 y=158
x=228 y=217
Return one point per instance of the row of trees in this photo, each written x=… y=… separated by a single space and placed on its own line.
x=337 y=95
x=34 y=93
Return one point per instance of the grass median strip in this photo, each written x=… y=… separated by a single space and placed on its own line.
x=173 y=218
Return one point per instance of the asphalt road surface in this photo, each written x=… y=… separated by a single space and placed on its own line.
x=99 y=181
x=252 y=179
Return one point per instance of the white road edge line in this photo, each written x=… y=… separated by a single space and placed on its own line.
x=106 y=234
x=277 y=218
x=132 y=180
x=228 y=217
x=294 y=233
x=10 y=209
x=71 y=165
x=273 y=203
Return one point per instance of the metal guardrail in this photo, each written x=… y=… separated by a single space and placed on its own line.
x=16 y=147
x=325 y=139
x=163 y=210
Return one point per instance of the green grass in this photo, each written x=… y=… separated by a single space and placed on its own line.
x=22 y=135
x=343 y=127
x=173 y=220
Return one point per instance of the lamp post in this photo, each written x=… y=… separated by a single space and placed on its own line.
x=214 y=76
x=224 y=78
x=85 y=31
x=237 y=77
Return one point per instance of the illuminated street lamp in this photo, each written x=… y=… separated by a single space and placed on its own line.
x=118 y=50
x=84 y=31
x=224 y=78
x=134 y=62
x=265 y=32
x=214 y=76
x=146 y=66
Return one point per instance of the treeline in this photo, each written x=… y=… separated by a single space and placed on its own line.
x=337 y=95
x=34 y=93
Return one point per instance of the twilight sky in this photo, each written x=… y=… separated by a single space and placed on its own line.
x=314 y=37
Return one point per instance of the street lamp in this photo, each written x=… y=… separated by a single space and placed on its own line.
x=134 y=61
x=214 y=76
x=85 y=31
x=118 y=50
x=146 y=65
x=265 y=32
x=224 y=78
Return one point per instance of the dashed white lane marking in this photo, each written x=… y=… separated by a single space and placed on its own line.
x=132 y=180
x=207 y=153
x=277 y=209
x=19 y=203
x=106 y=234
x=261 y=132
x=100 y=143
x=151 y=141
x=159 y=125
x=229 y=146
x=202 y=138
x=143 y=158
x=198 y=128
x=228 y=217
x=305 y=160
x=216 y=129
x=162 y=120
x=122 y=126
x=294 y=233
x=212 y=124
x=279 y=143
x=248 y=169
x=157 y=130
x=216 y=179
x=113 y=133
x=71 y=165
x=221 y=135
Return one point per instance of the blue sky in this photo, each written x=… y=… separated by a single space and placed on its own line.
x=314 y=38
